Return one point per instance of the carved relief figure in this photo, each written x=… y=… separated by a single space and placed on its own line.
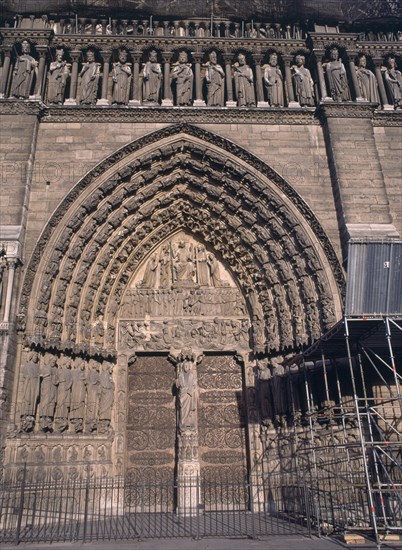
x=368 y=85
x=202 y=266
x=183 y=263
x=48 y=391
x=244 y=82
x=24 y=72
x=77 y=408
x=93 y=391
x=182 y=77
x=121 y=77
x=215 y=80
x=273 y=81
x=393 y=80
x=59 y=71
x=149 y=280
x=303 y=83
x=106 y=396
x=214 y=271
x=151 y=79
x=65 y=380
x=186 y=383
x=90 y=73
x=165 y=267
x=337 y=77
x=31 y=380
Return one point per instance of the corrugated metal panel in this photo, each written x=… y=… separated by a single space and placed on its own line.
x=374 y=285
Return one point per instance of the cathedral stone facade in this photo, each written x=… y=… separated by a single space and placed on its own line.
x=176 y=201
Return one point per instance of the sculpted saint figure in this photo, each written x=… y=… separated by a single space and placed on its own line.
x=202 y=266
x=31 y=381
x=303 y=83
x=106 y=397
x=244 y=82
x=59 y=72
x=182 y=76
x=24 y=72
x=151 y=270
x=273 y=80
x=393 y=79
x=151 y=79
x=337 y=78
x=90 y=73
x=368 y=85
x=93 y=390
x=48 y=391
x=165 y=267
x=77 y=407
x=214 y=271
x=186 y=383
x=65 y=380
x=215 y=80
x=121 y=77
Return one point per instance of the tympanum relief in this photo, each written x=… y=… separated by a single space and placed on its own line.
x=183 y=296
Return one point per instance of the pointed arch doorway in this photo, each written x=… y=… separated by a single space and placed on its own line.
x=183 y=306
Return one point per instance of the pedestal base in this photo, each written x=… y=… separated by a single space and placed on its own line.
x=231 y=104
x=134 y=103
x=70 y=102
x=167 y=103
x=294 y=105
x=199 y=103
x=102 y=102
x=188 y=489
x=263 y=104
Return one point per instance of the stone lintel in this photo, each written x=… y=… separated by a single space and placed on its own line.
x=372 y=230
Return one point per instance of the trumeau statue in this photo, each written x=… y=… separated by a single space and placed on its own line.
x=182 y=78
x=303 y=83
x=121 y=77
x=90 y=74
x=368 y=85
x=273 y=81
x=244 y=82
x=151 y=75
x=24 y=72
x=59 y=72
x=215 y=81
x=337 y=77
x=393 y=79
x=186 y=383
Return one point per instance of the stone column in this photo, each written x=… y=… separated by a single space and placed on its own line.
x=72 y=100
x=321 y=79
x=199 y=101
x=352 y=69
x=229 y=81
x=292 y=103
x=41 y=73
x=135 y=100
x=167 y=93
x=11 y=264
x=378 y=61
x=259 y=84
x=105 y=78
x=5 y=77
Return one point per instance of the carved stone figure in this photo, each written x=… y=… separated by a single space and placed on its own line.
x=182 y=77
x=368 y=85
x=24 y=72
x=59 y=72
x=77 y=407
x=151 y=271
x=273 y=81
x=65 y=380
x=303 y=83
x=186 y=383
x=183 y=263
x=48 y=391
x=121 y=77
x=337 y=77
x=151 y=79
x=393 y=80
x=214 y=270
x=244 y=82
x=202 y=266
x=93 y=391
x=31 y=380
x=165 y=267
x=215 y=81
x=90 y=73
x=106 y=397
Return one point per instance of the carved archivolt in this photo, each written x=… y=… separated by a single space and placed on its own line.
x=181 y=179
